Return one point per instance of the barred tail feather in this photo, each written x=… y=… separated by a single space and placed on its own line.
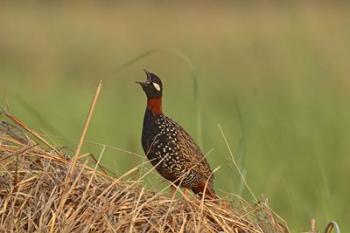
x=209 y=192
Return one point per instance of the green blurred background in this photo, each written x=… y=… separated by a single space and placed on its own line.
x=275 y=76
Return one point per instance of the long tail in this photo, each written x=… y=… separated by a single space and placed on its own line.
x=208 y=191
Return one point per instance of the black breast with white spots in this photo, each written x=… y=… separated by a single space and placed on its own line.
x=173 y=152
x=160 y=143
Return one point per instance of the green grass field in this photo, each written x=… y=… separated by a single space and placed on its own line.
x=275 y=77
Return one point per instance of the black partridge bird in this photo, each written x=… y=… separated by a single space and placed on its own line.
x=170 y=148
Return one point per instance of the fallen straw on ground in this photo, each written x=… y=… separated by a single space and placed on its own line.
x=33 y=183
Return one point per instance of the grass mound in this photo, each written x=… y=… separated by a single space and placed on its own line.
x=43 y=190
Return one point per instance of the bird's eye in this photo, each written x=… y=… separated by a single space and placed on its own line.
x=156 y=86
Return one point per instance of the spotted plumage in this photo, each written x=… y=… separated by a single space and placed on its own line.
x=170 y=148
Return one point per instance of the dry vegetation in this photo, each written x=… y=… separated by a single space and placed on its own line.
x=43 y=191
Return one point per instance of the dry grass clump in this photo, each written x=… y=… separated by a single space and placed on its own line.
x=40 y=191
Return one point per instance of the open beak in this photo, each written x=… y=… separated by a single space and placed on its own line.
x=148 y=79
x=141 y=83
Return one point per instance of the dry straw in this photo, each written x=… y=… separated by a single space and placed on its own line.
x=36 y=178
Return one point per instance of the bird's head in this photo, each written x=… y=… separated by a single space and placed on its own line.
x=153 y=86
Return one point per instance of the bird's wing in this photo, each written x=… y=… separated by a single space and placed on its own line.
x=192 y=155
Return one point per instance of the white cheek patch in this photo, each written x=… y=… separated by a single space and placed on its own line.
x=156 y=86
